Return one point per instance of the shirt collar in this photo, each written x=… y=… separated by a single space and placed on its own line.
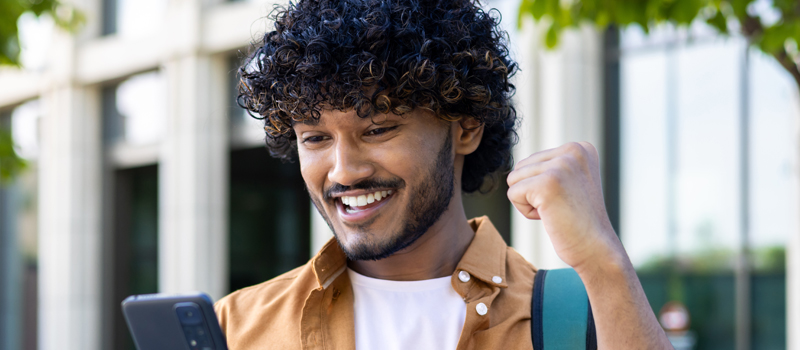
x=329 y=263
x=485 y=257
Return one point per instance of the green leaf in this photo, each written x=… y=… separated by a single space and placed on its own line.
x=65 y=16
x=538 y=8
x=773 y=38
x=740 y=8
x=10 y=164
x=525 y=8
x=719 y=22
x=551 y=38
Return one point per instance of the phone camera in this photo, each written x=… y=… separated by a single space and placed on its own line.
x=194 y=327
x=189 y=315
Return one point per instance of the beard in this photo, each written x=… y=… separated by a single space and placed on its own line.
x=426 y=205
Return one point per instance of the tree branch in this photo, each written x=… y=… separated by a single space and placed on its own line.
x=786 y=61
x=752 y=27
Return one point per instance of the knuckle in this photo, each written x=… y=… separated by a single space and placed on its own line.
x=511 y=179
x=551 y=179
x=563 y=163
x=575 y=150
x=588 y=146
x=591 y=150
x=573 y=147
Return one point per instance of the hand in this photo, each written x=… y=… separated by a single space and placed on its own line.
x=562 y=187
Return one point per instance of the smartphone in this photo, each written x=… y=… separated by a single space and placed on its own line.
x=173 y=322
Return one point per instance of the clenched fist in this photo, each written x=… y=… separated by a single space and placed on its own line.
x=562 y=187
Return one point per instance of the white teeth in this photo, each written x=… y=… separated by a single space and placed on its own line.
x=363 y=200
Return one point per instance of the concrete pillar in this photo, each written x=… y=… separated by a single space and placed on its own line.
x=559 y=100
x=793 y=259
x=69 y=219
x=193 y=178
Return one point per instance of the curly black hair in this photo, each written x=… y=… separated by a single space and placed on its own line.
x=380 y=56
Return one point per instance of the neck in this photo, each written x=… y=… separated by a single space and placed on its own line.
x=435 y=254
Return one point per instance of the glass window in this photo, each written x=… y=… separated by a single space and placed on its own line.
x=270 y=222
x=269 y=217
x=681 y=179
x=135 y=110
x=134 y=113
x=245 y=131
x=133 y=18
x=25 y=129
x=19 y=233
x=135 y=241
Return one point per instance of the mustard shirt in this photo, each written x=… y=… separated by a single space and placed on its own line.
x=311 y=307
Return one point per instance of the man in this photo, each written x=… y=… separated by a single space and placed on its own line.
x=391 y=107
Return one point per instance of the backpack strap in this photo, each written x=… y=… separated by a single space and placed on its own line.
x=561 y=316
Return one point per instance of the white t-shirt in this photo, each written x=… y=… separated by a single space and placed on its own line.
x=426 y=314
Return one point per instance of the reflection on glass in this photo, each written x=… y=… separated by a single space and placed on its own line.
x=134 y=18
x=136 y=109
x=25 y=129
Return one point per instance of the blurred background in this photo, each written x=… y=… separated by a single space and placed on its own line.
x=133 y=171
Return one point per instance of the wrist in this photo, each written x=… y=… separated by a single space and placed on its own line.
x=605 y=260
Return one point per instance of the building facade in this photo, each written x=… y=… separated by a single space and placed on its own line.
x=144 y=176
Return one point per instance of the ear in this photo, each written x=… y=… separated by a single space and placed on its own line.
x=467 y=134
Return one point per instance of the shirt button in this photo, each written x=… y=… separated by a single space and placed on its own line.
x=463 y=276
x=481 y=309
x=497 y=279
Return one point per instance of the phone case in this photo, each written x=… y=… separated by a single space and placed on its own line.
x=173 y=322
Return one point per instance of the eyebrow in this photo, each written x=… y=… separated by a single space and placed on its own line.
x=309 y=122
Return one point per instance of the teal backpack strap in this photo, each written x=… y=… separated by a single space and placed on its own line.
x=561 y=316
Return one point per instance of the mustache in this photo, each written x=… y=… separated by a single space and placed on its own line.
x=367 y=184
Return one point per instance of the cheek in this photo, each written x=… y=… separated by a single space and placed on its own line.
x=312 y=168
x=409 y=159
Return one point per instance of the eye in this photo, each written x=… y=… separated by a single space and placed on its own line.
x=314 y=139
x=379 y=131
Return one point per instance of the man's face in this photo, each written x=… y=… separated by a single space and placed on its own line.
x=379 y=186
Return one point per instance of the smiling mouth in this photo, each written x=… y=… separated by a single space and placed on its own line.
x=357 y=204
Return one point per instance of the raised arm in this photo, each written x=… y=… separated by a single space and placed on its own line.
x=562 y=187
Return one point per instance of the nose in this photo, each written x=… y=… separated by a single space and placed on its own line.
x=350 y=164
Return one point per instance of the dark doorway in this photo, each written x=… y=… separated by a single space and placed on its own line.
x=269 y=217
x=135 y=241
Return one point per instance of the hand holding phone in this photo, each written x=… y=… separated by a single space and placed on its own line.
x=170 y=322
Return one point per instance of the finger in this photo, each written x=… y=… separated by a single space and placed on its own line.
x=591 y=151
x=523 y=196
x=527 y=211
x=538 y=157
x=530 y=170
x=579 y=150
